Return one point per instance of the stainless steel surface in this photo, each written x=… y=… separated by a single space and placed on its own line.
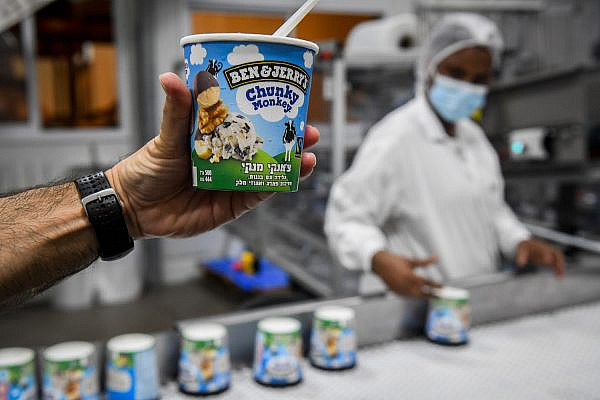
x=338 y=123
x=558 y=100
x=549 y=356
x=564 y=239
x=301 y=275
x=288 y=244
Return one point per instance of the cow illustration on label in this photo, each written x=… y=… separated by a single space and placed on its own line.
x=289 y=139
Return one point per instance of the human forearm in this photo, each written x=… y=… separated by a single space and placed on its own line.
x=44 y=237
x=354 y=244
x=509 y=229
x=353 y=232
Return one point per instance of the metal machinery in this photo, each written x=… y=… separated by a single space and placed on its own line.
x=546 y=130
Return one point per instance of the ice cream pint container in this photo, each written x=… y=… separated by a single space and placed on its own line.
x=17 y=374
x=132 y=368
x=204 y=366
x=70 y=372
x=333 y=338
x=250 y=97
x=278 y=352
x=449 y=316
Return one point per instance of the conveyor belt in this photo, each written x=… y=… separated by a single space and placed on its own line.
x=548 y=356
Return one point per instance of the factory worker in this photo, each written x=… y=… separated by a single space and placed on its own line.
x=425 y=189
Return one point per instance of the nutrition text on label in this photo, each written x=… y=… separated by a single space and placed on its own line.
x=205 y=175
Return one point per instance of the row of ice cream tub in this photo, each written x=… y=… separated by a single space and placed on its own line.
x=70 y=368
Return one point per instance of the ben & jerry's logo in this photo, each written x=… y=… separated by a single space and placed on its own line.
x=259 y=71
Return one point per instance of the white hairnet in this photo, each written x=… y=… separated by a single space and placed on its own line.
x=453 y=33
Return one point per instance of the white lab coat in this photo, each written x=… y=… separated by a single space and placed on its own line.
x=416 y=192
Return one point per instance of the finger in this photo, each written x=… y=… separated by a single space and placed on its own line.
x=419 y=294
x=431 y=283
x=522 y=256
x=548 y=256
x=175 y=125
x=309 y=161
x=415 y=289
x=559 y=263
x=424 y=288
x=422 y=292
x=425 y=262
x=311 y=136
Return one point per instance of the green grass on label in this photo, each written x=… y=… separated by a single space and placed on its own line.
x=225 y=173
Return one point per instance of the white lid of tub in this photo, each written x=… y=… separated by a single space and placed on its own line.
x=200 y=331
x=130 y=343
x=335 y=313
x=68 y=351
x=15 y=356
x=247 y=37
x=279 y=326
x=450 y=293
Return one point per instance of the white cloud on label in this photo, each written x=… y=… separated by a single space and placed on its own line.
x=308 y=59
x=272 y=102
x=244 y=54
x=197 y=54
x=302 y=126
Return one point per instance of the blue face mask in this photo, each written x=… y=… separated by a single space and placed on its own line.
x=454 y=99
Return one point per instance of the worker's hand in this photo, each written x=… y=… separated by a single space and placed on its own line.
x=539 y=252
x=155 y=183
x=399 y=275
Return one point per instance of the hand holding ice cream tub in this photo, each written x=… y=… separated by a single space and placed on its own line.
x=156 y=186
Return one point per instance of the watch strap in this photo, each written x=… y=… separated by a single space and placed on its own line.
x=104 y=211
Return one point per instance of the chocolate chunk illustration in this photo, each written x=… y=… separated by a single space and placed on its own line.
x=206 y=89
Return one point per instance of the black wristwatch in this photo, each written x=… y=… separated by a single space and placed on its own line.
x=103 y=209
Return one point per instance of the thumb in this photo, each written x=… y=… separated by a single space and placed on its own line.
x=175 y=124
x=522 y=256
x=425 y=262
